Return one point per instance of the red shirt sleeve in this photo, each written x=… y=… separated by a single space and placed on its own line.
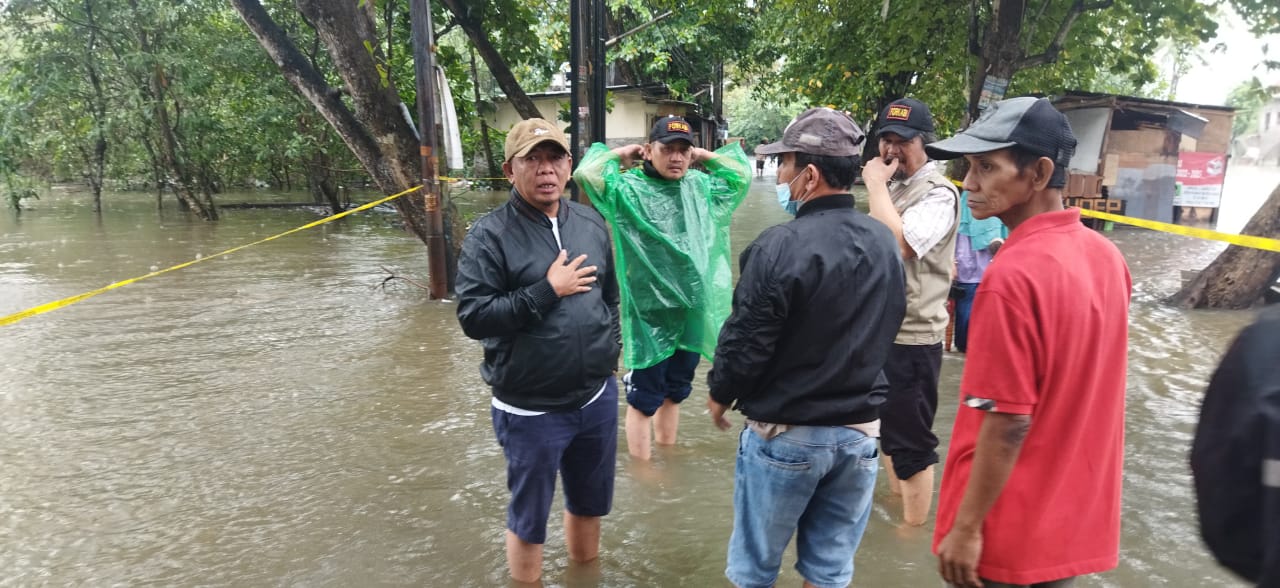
x=1003 y=350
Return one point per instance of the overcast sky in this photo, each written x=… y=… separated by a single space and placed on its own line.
x=1210 y=82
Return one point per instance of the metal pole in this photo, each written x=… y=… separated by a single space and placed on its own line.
x=577 y=85
x=424 y=68
x=598 y=71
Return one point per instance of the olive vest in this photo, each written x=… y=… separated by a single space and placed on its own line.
x=928 y=276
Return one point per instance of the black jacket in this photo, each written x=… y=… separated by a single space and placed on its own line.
x=1235 y=459
x=815 y=311
x=541 y=352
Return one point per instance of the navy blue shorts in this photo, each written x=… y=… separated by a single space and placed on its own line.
x=670 y=378
x=581 y=445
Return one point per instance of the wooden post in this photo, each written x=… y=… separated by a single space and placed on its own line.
x=424 y=67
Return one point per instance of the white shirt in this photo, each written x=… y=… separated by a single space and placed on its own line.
x=930 y=220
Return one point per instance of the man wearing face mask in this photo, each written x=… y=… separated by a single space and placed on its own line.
x=909 y=194
x=671 y=231
x=818 y=302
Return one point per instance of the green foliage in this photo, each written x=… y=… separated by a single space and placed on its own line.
x=235 y=118
x=685 y=50
x=754 y=120
x=1248 y=98
x=840 y=52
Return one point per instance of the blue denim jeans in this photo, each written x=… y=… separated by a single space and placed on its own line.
x=814 y=482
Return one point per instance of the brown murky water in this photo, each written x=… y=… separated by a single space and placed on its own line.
x=271 y=418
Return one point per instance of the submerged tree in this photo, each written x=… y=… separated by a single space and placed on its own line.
x=1240 y=276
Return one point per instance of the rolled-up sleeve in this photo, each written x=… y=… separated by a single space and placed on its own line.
x=928 y=222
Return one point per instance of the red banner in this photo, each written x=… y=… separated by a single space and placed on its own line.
x=1200 y=178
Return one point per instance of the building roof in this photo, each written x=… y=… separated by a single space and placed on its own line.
x=1076 y=99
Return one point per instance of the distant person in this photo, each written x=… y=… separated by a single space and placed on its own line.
x=909 y=193
x=815 y=311
x=671 y=228
x=1030 y=492
x=760 y=158
x=977 y=242
x=1235 y=458
x=536 y=285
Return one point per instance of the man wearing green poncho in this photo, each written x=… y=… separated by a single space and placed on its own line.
x=671 y=238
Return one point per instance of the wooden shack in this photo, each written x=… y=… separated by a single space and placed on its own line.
x=1147 y=158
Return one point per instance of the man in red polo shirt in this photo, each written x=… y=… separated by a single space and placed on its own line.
x=1031 y=491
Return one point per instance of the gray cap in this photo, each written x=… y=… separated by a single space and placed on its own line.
x=818 y=131
x=1031 y=123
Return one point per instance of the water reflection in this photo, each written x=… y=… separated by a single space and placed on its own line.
x=272 y=418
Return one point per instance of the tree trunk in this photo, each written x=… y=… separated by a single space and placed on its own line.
x=376 y=133
x=497 y=66
x=494 y=170
x=389 y=175
x=96 y=159
x=157 y=174
x=169 y=152
x=1000 y=51
x=155 y=92
x=999 y=54
x=320 y=180
x=1240 y=276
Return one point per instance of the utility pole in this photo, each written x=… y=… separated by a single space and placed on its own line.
x=587 y=87
x=579 y=23
x=424 y=68
x=598 y=71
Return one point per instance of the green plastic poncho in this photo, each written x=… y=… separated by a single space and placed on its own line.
x=671 y=246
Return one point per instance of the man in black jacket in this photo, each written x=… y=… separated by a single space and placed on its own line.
x=551 y=341
x=1235 y=459
x=815 y=312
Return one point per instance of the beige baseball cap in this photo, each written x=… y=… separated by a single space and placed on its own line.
x=528 y=133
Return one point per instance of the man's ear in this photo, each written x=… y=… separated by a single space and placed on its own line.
x=646 y=151
x=507 y=170
x=815 y=175
x=1043 y=173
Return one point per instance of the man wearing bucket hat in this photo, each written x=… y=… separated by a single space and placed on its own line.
x=908 y=193
x=536 y=285
x=817 y=305
x=1030 y=493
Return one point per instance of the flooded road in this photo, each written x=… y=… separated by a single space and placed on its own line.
x=272 y=418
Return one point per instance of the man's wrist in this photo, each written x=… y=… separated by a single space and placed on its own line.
x=966 y=527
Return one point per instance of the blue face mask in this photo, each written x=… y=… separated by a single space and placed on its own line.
x=784 y=197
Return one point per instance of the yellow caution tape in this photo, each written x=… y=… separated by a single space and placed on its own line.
x=43 y=308
x=1263 y=243
x=1251 y=241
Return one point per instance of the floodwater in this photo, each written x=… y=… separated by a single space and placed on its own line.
x=274 y=418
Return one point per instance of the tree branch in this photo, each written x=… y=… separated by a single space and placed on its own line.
x=298 y=71
x=1051 y=52
x=975 y=45
x=392 y=276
